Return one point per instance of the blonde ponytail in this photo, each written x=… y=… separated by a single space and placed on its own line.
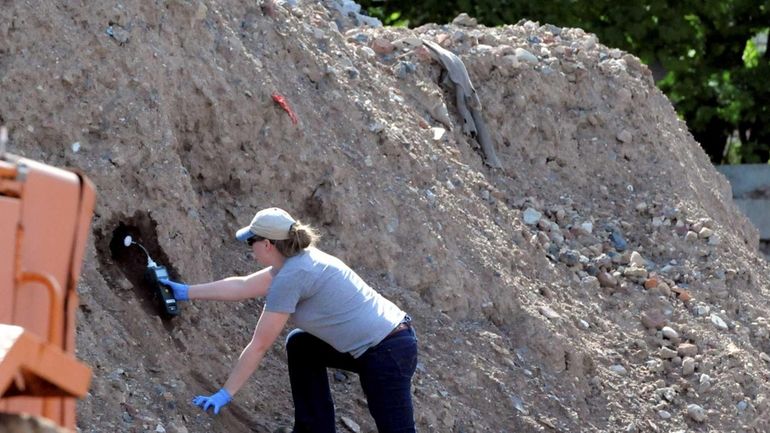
x=301 y=236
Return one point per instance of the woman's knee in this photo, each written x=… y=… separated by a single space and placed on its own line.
x=294 y=339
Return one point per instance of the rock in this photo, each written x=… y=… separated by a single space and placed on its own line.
x=590 y=283
x=701 y=310
x=602 y=261
x=688 y=366
x=549 y=312
x=618 y=241
x=507 y=61
x=618 y=369
x=350 y=424
x=531 y=216
x=524 y=56
x=606 y=280
x=635 y=272
x=691 y=236
x=669 y=333
x=705 y=233
x=438 y=133
x=682 y=294
x=696 y=412
x=651 y=283
x=367 y=52
x=637 y=260
x=382 y=46
x=667 y=353
x=518 y=404
x=120 y=34
x=587 y=227
x=653 y=319
x=664 y=414
x=403 y=68
x=718 y=322
x=687 y=349
x=352 y=72
x=624 y=136
x=465 y=20
x=704 y=383
x=570 y=257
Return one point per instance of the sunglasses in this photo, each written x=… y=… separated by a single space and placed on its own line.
x=254 y=239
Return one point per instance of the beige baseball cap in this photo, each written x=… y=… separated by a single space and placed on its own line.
x=271 y=223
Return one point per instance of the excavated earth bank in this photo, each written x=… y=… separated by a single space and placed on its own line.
x=600 y=281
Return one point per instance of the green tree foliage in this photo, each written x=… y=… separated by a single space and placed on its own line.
x=709 y=56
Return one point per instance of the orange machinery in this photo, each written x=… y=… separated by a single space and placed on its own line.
x=45 y=215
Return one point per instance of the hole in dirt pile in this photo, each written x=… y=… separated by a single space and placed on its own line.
x=118 y=261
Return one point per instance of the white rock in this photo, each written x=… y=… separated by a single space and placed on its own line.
x=590 y=282
x=705 y=233
x=669 y=333
x=531 y=216
x=696 y=412
x=702 y=310
x=704 y=383
x=688 y=366
x=350 y=424
x=718 y=322
x=618 y=369
x=525 y=56
x=438 y=133
x=549 y=312
x=637 y=260
x=587 y=227
x=367 y=52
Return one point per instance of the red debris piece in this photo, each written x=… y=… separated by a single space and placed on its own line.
x=280 y=100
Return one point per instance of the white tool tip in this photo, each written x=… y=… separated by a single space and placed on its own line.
x=127 y=241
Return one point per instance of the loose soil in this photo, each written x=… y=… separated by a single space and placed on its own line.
x=601 y=280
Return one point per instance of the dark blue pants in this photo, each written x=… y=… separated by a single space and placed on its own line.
x=385 y=371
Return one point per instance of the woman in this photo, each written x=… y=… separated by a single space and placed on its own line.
x=344 y=323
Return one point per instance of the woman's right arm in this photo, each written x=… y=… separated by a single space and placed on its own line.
x=234 y=288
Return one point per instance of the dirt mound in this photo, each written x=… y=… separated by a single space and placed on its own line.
x=601 y=280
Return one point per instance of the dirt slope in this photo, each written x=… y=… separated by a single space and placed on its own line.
x=601 y=280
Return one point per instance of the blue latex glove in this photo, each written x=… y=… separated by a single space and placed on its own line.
x=217 y=401
x=180 y=289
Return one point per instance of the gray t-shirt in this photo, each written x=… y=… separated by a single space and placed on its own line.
x=327 y=299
